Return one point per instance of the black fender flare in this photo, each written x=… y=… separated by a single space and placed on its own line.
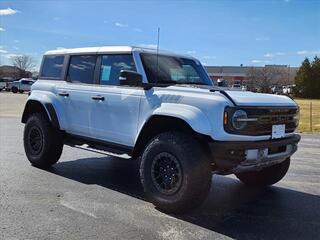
x=33 y=106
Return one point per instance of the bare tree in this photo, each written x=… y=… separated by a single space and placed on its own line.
x=24 y=63
x=262 y=79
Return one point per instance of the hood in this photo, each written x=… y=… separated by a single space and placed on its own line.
x=245 y=98
x=239 y=98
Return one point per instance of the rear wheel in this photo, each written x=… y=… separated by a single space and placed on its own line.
x=43 y=143
x=14 y=89
x=175 y=172
x=266 y=176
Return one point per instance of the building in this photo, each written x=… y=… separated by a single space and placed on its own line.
x=239 y=74
x=12 y=72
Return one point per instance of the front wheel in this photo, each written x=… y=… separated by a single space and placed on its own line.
x=43 y=143
x=175 y=172
x=265 y=177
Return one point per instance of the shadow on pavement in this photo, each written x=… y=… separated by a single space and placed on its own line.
x=231 y=208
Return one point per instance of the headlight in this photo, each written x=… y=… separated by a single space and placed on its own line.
x=239 y=119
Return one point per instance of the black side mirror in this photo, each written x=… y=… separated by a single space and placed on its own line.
x=130 y=78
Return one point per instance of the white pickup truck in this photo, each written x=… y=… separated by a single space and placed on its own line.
x=22 y=85
x=162 y=109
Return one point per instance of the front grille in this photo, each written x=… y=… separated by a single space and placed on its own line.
x=266 y=117
x=271 y=116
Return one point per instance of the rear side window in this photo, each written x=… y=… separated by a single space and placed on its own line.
x=111 y=65
x=52 y=67
x=81 y=69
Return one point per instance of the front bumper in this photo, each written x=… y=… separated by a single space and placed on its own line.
x=242 y=156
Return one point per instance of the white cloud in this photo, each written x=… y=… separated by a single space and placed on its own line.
x=209 y=57
x=2 y=29
x=3 y=51
x=117 y=24
x=8 y=11
x=191 y=52
x=137 y=29
x=15 y=47
x=262 y=39
x=148 y=45
x=271 y=55
x=307 y=52
x=260 y=61
x=11 y=55
x=60 y=48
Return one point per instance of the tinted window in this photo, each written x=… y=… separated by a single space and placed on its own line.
x=174 y=70
x=81 y=69
x=52 y=66
x=111 y=65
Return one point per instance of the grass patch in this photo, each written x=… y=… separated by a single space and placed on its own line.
x=304 y=125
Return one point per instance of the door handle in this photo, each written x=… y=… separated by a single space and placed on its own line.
x=64 y=94
x=98 y=98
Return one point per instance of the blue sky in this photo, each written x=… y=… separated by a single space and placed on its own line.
x=216 y=32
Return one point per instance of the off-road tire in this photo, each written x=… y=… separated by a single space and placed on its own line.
x=195 y=167
x=14 y=89
x=267 y=176
x=51 y=141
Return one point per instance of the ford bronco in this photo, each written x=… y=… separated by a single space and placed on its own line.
x=161 y=109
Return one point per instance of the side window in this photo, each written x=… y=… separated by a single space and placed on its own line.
x=52 y=67
x=81 y=69
x=112 y=64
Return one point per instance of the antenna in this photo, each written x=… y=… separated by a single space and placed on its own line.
x=158 y=55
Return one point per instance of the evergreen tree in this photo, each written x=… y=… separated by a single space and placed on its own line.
x=316 y=77
x=303 y=79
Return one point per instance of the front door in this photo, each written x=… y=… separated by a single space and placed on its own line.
x=115 y=111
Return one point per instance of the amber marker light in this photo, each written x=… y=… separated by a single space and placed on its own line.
x=225 y=118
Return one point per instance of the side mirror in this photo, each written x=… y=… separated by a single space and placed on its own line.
x=130 y=78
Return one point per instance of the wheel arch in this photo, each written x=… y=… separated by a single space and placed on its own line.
x=159 y=123
x=35 y=106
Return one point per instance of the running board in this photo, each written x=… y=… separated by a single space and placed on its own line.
x=88 y=148
x=98 y=146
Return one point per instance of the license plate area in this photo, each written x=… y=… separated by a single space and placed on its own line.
x=278 y=131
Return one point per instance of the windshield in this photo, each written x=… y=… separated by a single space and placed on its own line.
x=173 y=70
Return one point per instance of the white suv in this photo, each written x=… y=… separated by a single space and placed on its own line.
x=163 y=110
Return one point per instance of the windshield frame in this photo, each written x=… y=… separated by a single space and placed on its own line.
x=205 y=79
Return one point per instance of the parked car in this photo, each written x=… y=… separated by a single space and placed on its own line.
x=5 y=82
x=2 y=85
x=21 y=85
x=276 y=90
x=161 y=109
x=288 y=89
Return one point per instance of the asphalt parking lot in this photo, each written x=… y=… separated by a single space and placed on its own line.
x=92 y=196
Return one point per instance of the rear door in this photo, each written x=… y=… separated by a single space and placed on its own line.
x=115 y=110
x=76 y=93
